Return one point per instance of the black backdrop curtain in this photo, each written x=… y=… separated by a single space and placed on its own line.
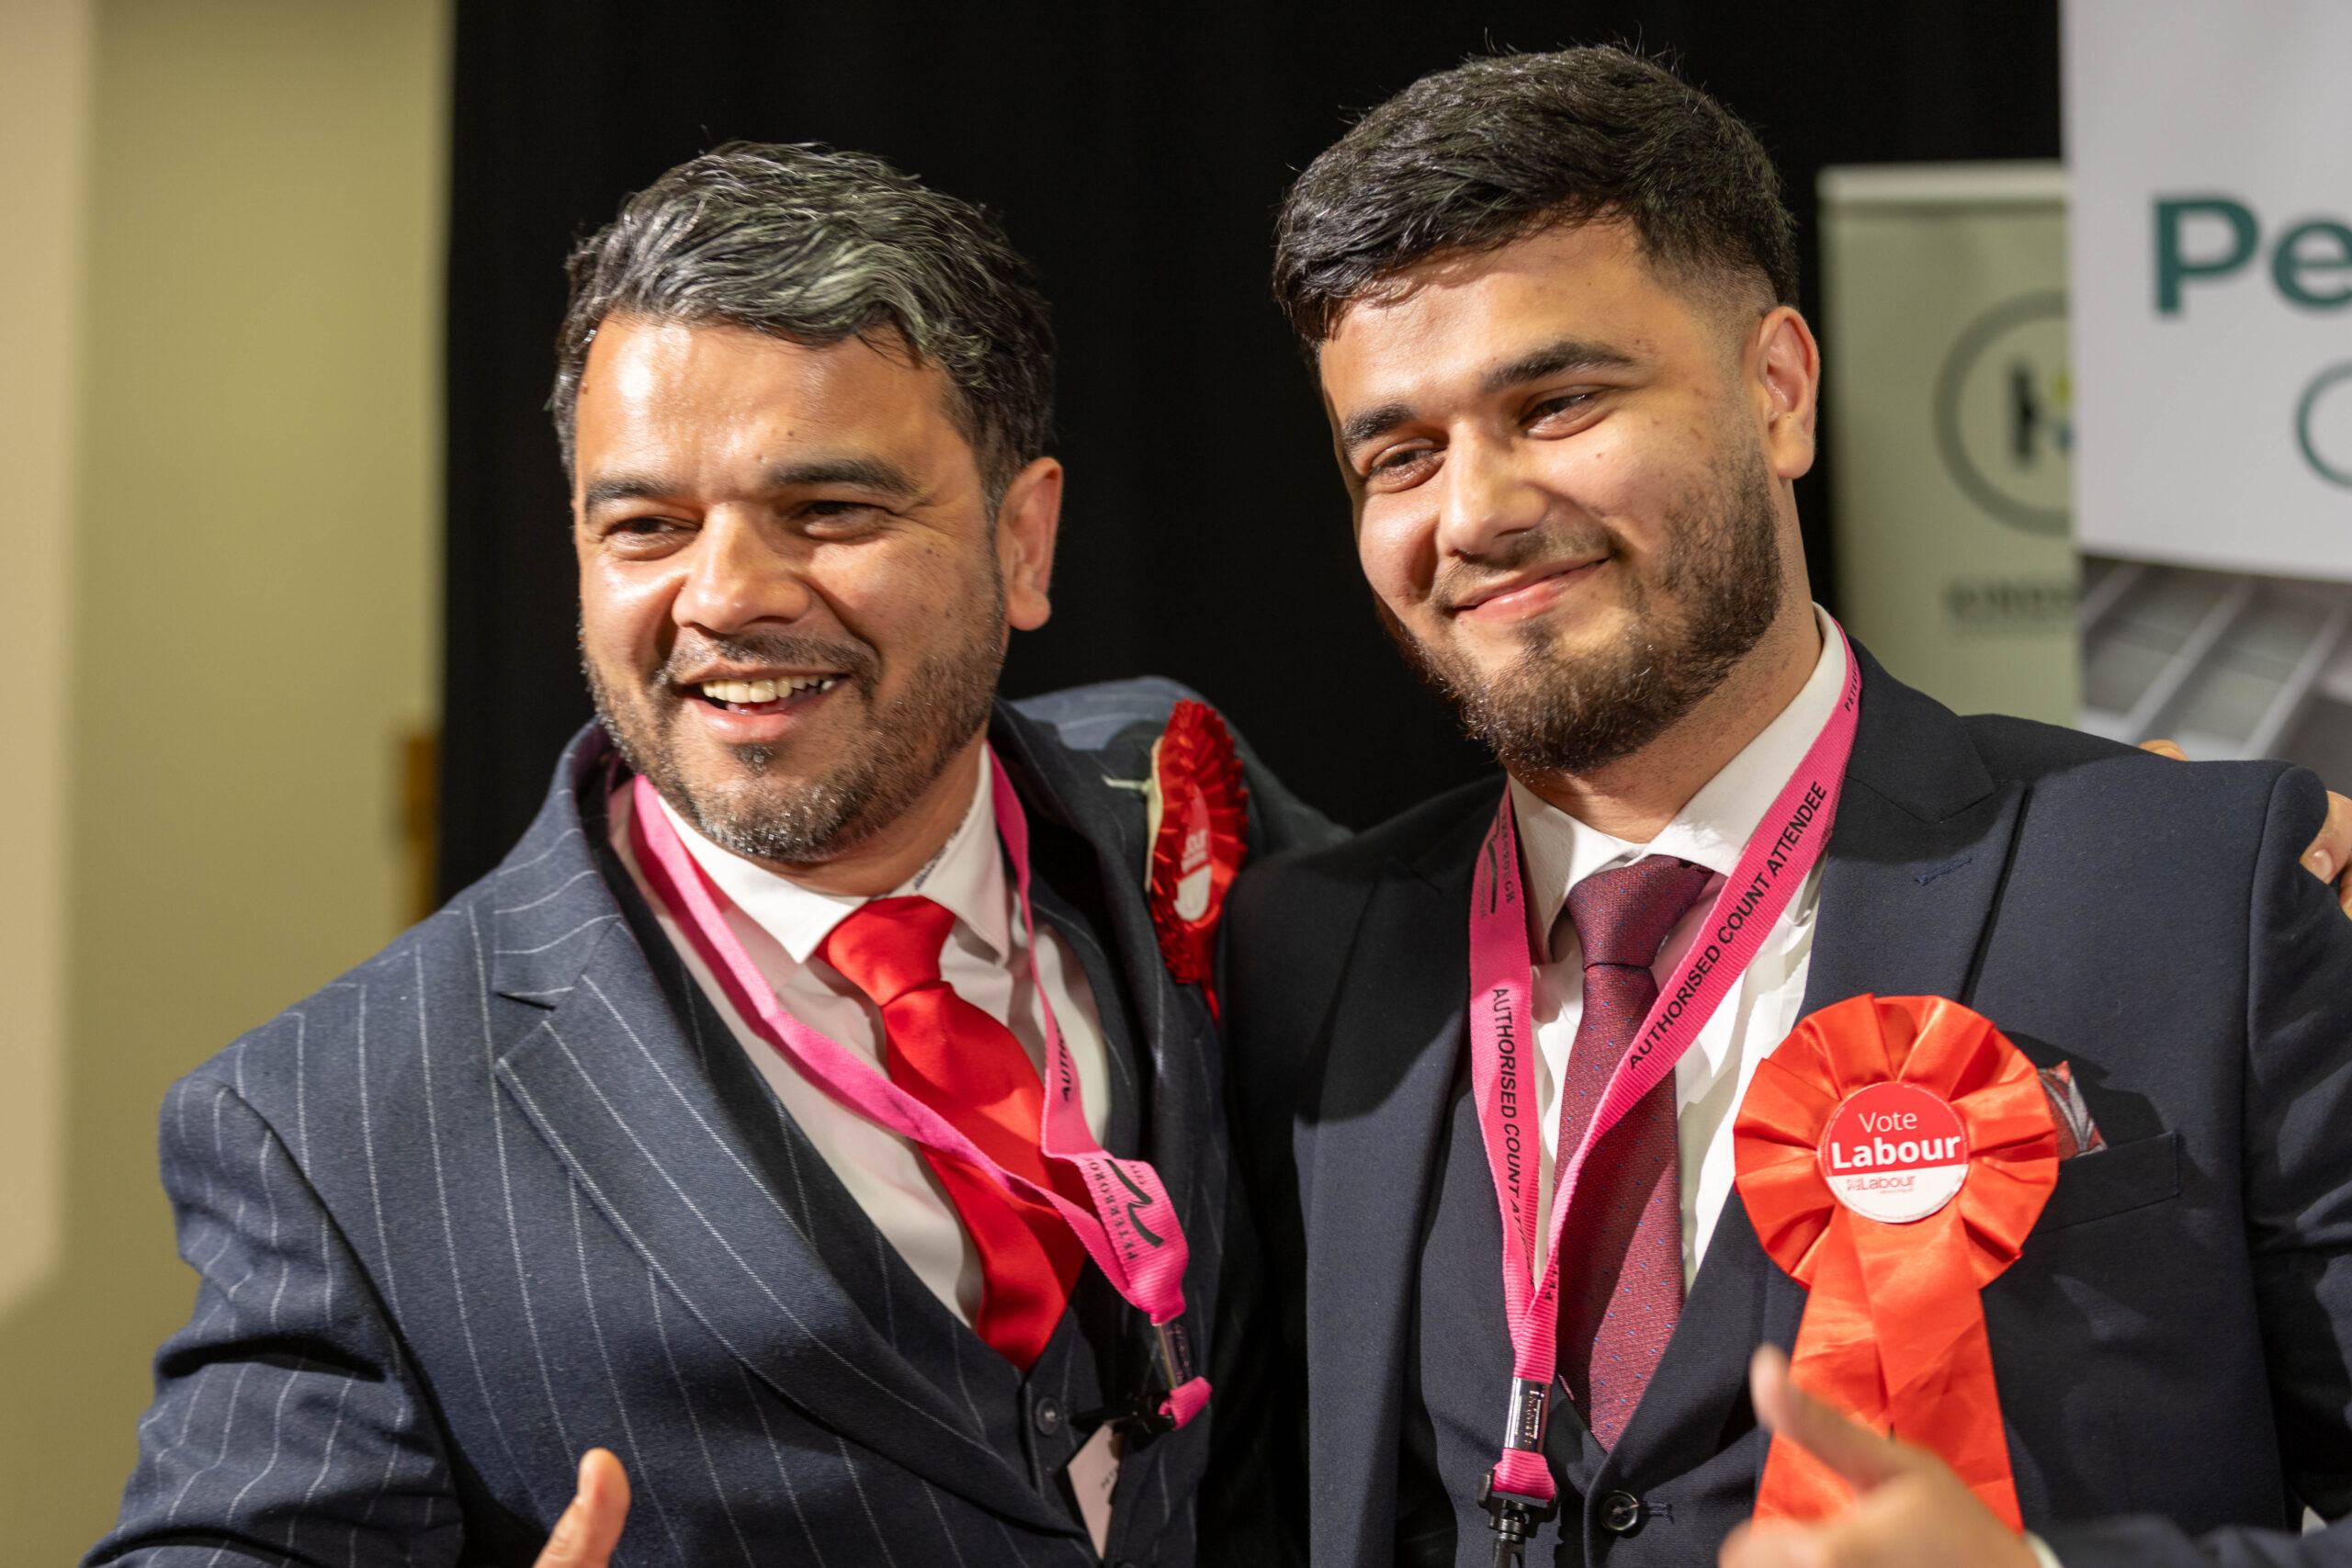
x=1136 y=153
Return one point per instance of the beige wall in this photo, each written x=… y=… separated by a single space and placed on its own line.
x=44 y=103
x=247 y=627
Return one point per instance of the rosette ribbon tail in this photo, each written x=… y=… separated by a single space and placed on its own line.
x=1894 y=1328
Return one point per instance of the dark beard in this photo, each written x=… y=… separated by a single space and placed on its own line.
x=1720 y=575
x=907 y=742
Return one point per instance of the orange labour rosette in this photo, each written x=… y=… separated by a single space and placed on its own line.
x=1894 y=1328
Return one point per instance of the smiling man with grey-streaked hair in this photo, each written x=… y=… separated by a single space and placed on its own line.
x=608 y=1216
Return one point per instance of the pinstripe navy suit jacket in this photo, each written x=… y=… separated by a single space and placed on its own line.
x=510 y=1190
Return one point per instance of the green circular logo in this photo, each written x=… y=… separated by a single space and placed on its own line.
x=2005 y=414
x=2323 y=425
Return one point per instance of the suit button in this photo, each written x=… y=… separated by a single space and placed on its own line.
x=1621 y=1513
x=1048 y=1416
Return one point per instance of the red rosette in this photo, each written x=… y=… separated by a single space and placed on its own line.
x=1893 y=1326
x=1200 y=834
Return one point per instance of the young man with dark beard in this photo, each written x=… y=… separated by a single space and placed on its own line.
x=804 y=1123
x=1549 y=299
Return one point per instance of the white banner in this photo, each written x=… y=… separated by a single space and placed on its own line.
x=2211 y=148
x=1944 y=319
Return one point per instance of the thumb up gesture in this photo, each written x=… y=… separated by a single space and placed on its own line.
x=591 y=1527
x=1910 y=1510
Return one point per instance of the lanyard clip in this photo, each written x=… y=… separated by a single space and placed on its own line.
x=1530 y=1405
x=1141 y=1413
x=1175 y=1353
x=1514 y=1517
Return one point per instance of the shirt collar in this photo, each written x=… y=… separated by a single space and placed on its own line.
x=1713 y=825
x=967 y=876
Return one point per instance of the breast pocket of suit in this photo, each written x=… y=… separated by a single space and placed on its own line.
x=2114 y=1180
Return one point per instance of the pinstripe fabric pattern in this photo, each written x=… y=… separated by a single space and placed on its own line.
x=510 y=1190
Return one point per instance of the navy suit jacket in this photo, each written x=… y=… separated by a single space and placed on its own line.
x=510 y=1190
x=2173 y=1348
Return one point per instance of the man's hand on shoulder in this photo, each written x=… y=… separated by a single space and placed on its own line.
x=591 y=1527
x=1910 y=1510
x=2330 y=855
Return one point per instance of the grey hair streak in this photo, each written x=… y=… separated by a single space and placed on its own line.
x=817 y=246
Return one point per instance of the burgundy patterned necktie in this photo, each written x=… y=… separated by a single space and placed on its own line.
x=1620 y=1248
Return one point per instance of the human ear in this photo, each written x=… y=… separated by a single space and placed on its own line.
x=1027 y=523
x=1785 y=377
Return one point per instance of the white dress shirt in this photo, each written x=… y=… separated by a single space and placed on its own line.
x=781 y=924
x=1556 y=851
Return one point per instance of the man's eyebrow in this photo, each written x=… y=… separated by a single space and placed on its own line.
x=1568 y=353
x=623 y=487
x=881 y=476
x=865 y=473
x=1359 y=428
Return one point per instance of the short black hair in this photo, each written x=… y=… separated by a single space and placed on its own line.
x=1496 y=149
x=818 y=245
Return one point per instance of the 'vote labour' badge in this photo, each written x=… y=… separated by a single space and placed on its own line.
x=1893 y=1153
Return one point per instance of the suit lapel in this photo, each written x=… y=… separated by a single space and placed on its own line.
x=1087 y=846
x=1910 y=878
x=1087 y=842
x=1122 y=1127
x=612 y=1086
x=1917 y=857
x=621 y=1097
x=1365 y=1150
x=1698 y=1395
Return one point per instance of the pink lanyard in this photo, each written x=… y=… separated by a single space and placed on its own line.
x=1131 y=1231
x=1518 y=1492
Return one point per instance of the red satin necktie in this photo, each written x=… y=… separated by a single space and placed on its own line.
x=969 y=1068
x=1620 y=1248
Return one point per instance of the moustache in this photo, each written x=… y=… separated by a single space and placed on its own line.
x=695 y=650
x=1459 y=581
